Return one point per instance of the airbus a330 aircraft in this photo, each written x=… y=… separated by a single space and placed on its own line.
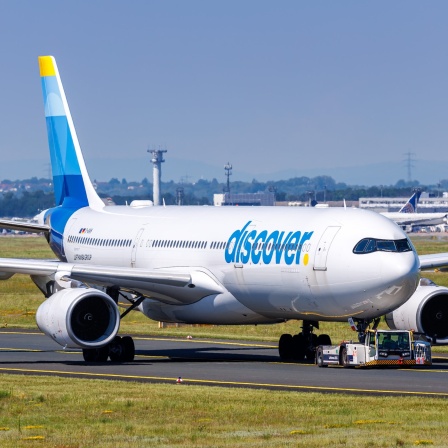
x=216 y=265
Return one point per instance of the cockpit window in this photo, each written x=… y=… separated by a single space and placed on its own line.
x=388 y=246
x=368 y=245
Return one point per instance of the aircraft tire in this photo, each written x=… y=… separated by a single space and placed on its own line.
x=116 y=350
x=95 y=354
x=323 y=339
x=310 y=350
x=128 y=347
x=285 y=346
x=299 y=344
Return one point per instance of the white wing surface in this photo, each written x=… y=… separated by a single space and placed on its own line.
x=181 y=286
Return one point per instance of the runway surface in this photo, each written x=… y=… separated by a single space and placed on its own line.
x=216 y=363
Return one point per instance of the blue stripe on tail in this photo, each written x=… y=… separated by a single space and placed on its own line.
x=67 y=177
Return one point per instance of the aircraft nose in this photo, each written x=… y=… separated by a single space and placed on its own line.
x=400 y=274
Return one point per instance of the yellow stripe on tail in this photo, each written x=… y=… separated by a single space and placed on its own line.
x=46 y=65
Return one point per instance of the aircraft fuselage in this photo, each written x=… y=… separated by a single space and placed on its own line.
x=272 y=263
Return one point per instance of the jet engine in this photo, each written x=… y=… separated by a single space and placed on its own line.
x=426 y=312
x=79 y=318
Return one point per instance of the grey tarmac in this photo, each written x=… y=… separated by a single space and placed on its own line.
x=216 y=363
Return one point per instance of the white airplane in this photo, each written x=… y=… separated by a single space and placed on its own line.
x=408 y=216
x=215 y=265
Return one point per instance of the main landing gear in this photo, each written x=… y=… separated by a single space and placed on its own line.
x=122 y=349
x=302 y=345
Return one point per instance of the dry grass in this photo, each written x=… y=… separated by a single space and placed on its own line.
x=60 y=412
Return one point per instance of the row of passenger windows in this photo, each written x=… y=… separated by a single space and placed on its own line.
x=101 y=242
x=369 y=245
x=176 y=244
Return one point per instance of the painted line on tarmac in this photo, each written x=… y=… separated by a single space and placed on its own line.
x=143 y=338
x=22 y=332
x=12 y=349
x=225 y=383
x=203 y=341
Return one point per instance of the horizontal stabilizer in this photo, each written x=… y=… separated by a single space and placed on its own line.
x=24 y=226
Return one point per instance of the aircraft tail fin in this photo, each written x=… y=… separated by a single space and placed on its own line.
x=411 y=205
x=71 y=181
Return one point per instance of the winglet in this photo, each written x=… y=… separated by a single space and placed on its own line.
x=72 y=184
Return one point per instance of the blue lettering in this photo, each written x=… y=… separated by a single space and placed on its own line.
x=306 y=236
x=260 y=239
x=238 y=250
x=249 y=246
x=292 y=243
x=280 y=246
x=231 y=247
x=270 y=247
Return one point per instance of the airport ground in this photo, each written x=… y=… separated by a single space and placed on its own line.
x=74 y=412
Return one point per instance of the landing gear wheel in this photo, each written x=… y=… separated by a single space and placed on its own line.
x=323 y=339
x=320 y=357
x=285 y=347
x=116 y=349
x=299 y=344
x=310 y=350
x=128 y=348
x=95 y=354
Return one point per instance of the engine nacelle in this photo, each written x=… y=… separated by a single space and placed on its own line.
x=79 y=318
x=425 y=312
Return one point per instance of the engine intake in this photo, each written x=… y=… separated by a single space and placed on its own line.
x=79 y=318
x=425 y=312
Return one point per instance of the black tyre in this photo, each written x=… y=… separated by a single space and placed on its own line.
x=299 y=344
x=128 y=348
x=116 y=350
x=95 y=354
x=285 y=347
x=310 y=350
x=323 y=339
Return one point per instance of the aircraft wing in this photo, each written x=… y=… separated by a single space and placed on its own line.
x=179 y=286
x=416 y=218
x=433 y=261
x=23 y=226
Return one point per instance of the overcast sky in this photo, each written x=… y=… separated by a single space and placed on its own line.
x=268 y=85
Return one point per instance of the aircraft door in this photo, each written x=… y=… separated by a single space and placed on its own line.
x=320 y=259
x=135 y=246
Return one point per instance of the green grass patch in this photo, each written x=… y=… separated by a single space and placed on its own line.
x=168 y=415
